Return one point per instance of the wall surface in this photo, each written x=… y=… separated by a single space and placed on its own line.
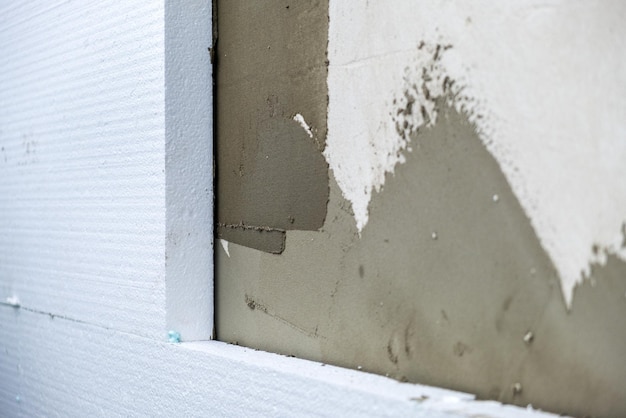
x=269 y=84
x=105 y=232
x=475 y=234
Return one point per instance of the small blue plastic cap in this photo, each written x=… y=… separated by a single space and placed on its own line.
x=173 y=336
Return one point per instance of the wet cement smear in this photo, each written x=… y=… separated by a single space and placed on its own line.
x=455 y=310
x=271 y=175
x=362 y=156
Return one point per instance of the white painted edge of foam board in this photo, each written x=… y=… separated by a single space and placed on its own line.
x=188 y=169
x=378 y=395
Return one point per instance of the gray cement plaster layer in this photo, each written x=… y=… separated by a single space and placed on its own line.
x=271 y=66
x=445 y=287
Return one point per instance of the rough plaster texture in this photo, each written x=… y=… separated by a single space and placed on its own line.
x=476 y=236
x=446 y=286
x=544 y=82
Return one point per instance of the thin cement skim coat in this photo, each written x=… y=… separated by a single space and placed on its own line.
x=271 y=120
x=440 y=277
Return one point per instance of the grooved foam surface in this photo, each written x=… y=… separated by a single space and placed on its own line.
x=82 y=200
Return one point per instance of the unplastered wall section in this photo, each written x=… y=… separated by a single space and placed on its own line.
x=82 y=197
x=97 y=225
